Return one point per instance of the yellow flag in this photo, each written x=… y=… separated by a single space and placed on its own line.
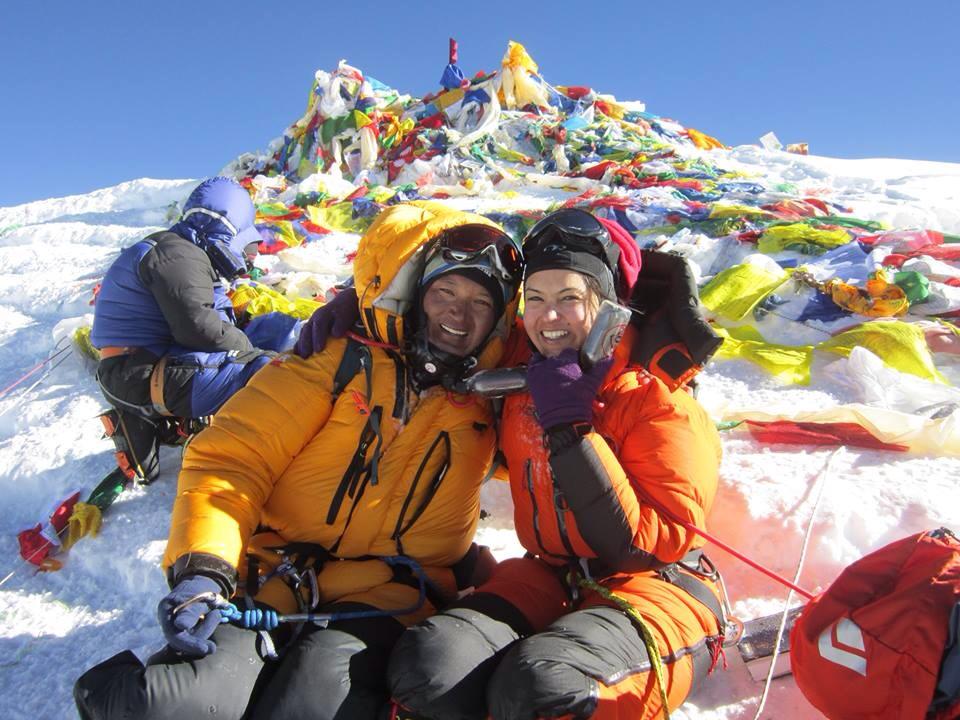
x=259 y=300
x=85 y=520
x=900 y=345
x=788 y=363
x=799 y=236
x=735 y=291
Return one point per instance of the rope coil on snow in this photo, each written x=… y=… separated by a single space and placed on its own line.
x=821 y=484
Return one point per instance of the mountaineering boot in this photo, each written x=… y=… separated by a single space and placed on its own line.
x=135 y=439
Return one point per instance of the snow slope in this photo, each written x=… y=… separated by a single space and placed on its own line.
x=53 y=626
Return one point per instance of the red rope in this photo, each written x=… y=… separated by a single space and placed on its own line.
x=367 y=341
x=32 y=370
x=733 y=551
x=737 y=554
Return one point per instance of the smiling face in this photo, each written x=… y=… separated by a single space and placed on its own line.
x=559 y=310
x=460 y=314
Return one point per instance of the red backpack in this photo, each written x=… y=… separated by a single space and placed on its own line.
x=883 y=641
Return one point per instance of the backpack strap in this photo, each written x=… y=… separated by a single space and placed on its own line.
x=356 y=356
x=359 y=472
x=152 y=241
x=699 y=570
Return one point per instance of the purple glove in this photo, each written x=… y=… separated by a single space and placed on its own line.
x=562 y=392
x=332 y=320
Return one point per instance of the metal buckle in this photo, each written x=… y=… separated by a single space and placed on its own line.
x=208 y=597
x=704 y=568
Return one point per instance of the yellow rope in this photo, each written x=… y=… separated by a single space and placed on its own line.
x=653 y=650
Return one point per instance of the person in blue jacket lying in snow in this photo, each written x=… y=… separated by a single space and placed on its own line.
x=170 y=351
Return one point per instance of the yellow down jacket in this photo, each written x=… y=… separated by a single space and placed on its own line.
x=375 y=472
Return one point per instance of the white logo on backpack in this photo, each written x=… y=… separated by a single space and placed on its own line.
x=839 y=641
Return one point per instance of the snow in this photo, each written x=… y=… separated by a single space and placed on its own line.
x=56 y=625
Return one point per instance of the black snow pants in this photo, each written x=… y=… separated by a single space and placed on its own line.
x=194 y=385
x=336 y=673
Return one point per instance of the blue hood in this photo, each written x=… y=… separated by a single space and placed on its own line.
x=218 y=217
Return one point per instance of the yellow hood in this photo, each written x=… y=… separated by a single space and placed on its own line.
x=389 y=263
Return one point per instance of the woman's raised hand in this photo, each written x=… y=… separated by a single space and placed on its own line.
x=563 y=393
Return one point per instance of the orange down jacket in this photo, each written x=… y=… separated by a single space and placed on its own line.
x=378 y=472
x=654 y=445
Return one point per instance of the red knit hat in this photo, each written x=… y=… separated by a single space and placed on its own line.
x=629 y=262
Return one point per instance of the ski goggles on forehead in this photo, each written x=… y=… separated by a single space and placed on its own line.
x=577 y=228
x=469 y=242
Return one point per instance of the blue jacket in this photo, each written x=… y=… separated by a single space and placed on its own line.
x=161 y=293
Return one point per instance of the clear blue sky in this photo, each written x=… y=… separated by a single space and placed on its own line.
x=94 y=93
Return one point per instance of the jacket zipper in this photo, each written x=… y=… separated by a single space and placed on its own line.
x=561 y=513
x=528 y=473
x=400 y=528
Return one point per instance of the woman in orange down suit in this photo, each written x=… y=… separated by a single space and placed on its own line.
x=613 y=611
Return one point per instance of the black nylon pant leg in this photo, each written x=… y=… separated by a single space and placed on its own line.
x=440 y=668
x=125 y=380
x=125 y=383
x=178 y=388
x=555 y=672
x=171 y=687
x=335 y=673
